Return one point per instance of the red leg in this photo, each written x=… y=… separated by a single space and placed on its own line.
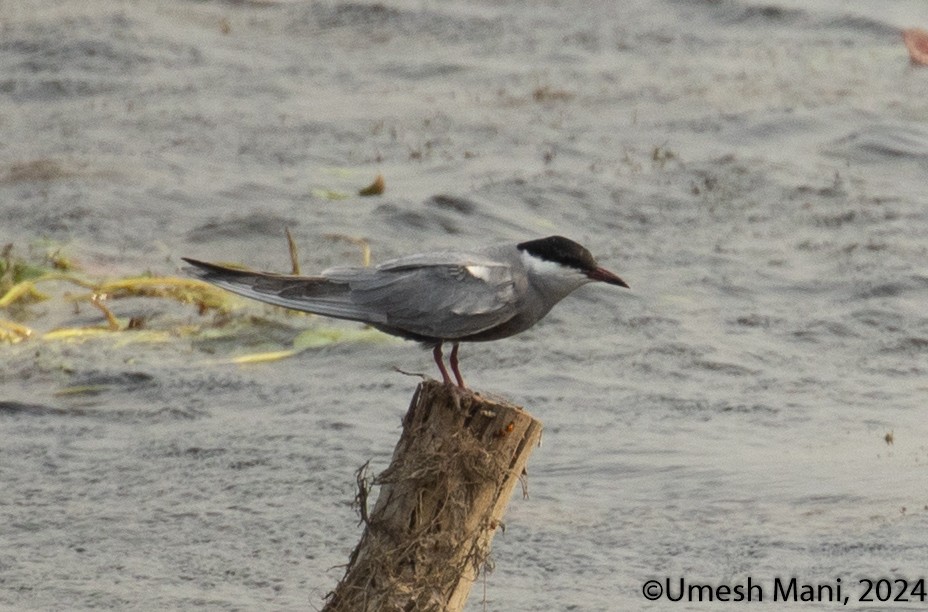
x=436 y=353
x=454 y=366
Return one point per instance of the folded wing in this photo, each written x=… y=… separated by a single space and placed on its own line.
x=440 y=296
x=443 y=296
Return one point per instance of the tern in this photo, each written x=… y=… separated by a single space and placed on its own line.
x=485 y=294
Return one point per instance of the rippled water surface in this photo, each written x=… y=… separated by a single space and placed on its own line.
x=753 y=407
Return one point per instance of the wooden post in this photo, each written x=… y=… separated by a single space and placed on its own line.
x=441 y=500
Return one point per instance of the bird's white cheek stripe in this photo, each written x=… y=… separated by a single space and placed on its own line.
x=543 y=267
x=481 y=272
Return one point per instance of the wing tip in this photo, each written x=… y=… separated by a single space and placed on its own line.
x=202 y=269
x=207 y=271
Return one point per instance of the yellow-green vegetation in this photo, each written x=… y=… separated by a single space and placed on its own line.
x=22 y=276
x=12 y=332
x=314 y=338
x=206 y=297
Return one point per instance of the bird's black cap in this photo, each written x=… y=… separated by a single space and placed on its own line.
x=566 y=252
x=560 y=250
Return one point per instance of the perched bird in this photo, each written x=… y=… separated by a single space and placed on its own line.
x=448 y=296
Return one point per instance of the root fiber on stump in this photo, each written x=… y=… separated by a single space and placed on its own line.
x=441 y=500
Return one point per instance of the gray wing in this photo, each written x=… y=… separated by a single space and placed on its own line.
x=443 y=295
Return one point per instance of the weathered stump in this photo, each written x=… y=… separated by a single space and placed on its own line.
x=441 y=500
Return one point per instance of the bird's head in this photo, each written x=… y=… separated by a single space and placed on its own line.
x=558 y=260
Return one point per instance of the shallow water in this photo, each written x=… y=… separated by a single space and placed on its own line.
x=755 y=171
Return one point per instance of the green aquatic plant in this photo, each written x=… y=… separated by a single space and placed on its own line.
x=16 y=274
x=21 y=276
